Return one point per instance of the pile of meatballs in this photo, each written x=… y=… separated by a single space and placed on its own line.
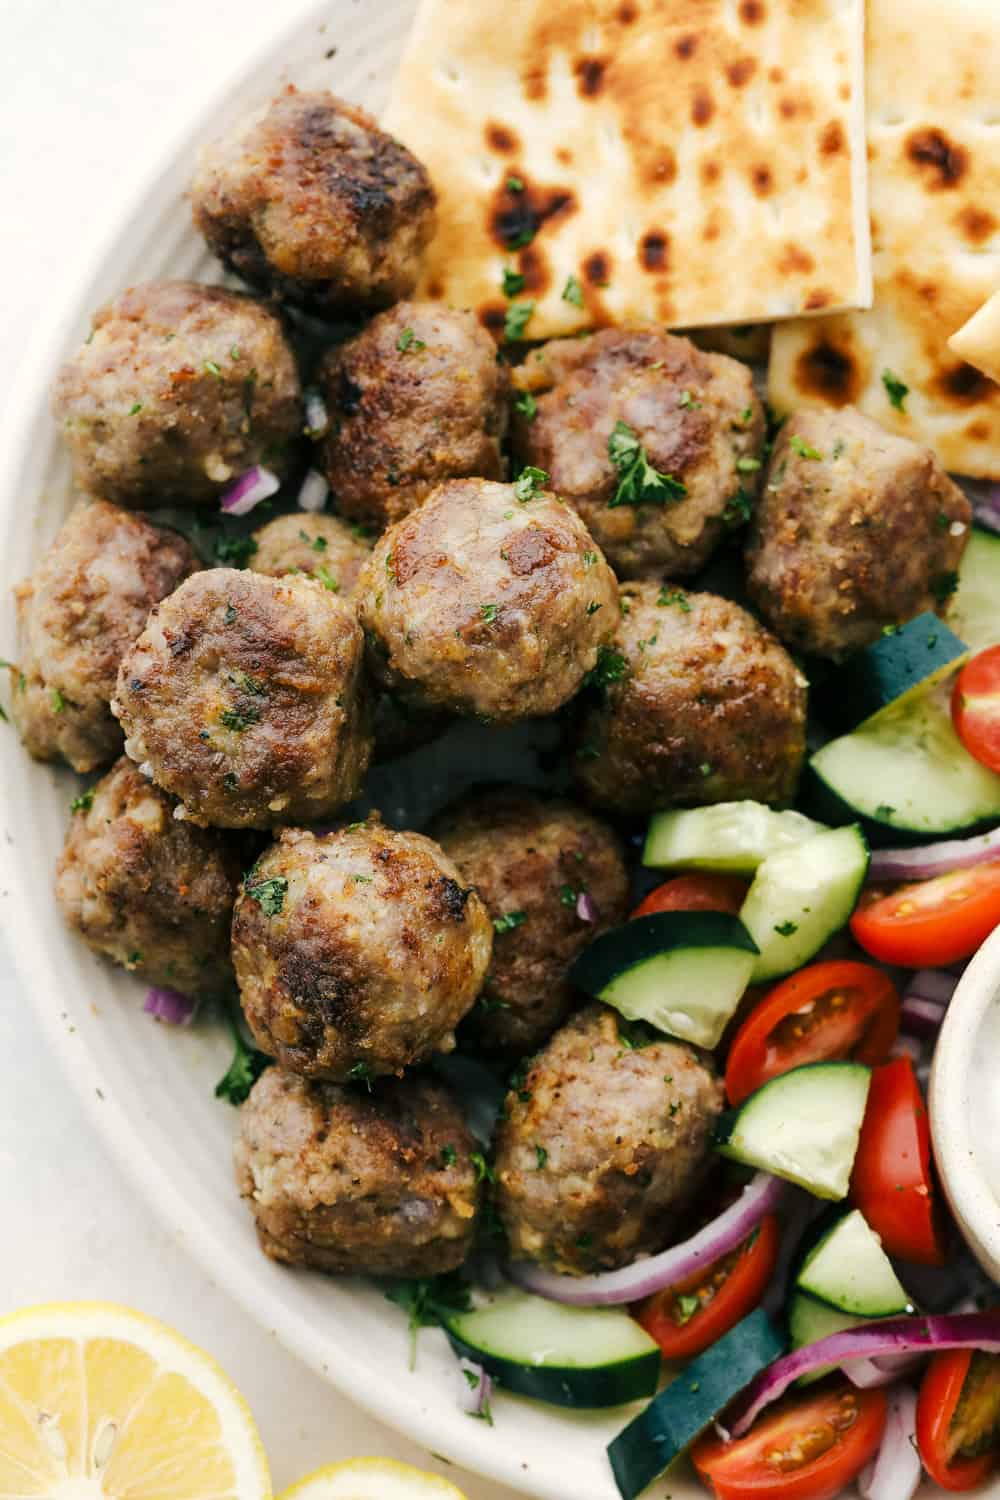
x=477 y=559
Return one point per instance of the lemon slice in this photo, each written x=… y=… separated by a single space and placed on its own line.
x=98 y=1402
x=372 y=1479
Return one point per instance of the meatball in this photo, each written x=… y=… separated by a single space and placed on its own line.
x=243 y=697
x=857 y=529
x=147 y=891
x=358 y=952
x=602 y=1145
x=698 y=704
x=178 y=390
x=642 y=395
x=480 y=602
x=77 y=615
x=310 y=200
x=415 y=399
x=553 y=877
x=325 y=547
x=349 y=1181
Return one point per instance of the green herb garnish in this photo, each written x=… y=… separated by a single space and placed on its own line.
x=639 y=483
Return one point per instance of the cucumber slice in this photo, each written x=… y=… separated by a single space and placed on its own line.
x=672 y=1421
x=803 y=1125
x=729 y=836
x=802 y=896
x=848 y=1270
x=906 y=773
x=567 y=1356
x=910 y=657
x=974 y=611
x=808 y=1322
x=683 y=972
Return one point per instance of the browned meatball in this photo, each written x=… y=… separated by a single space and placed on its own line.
x=700 y=704
x=481 y=603
x=145 y=890
x=309 y=199
x=602 y=1145
x=325 y=547
x=355 y=1182
x=357 y=952
x=179 y=389
x=857 y=529
x=243 y=698
x=77 y=614
x=417 y=398
x=553 y=877
x=694 y=415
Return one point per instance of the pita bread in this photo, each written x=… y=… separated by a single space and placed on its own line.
x=934 y=181
x=684 y=162
x=978 y=340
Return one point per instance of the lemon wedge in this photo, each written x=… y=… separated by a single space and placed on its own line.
x=98 y=1402
x=372 y=1479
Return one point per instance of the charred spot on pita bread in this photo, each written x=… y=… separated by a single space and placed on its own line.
x=654 y=249
x=534 y=268
x=627 y=13
x=597 y=268
x=829 y=373
x=590 y=76
x=818 y=299
x=794 y=258
x=942 y=162
x=977 y=224
x=517 y=216
x=500 y=139
x=703 y=107
x=741 y=71
x=686 y=46
x=831 y=139
x=964 y=384
x=752 y=12
x=762 y=180
x=493 y=316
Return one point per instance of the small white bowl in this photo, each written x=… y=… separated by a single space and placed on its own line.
x=965 y=1105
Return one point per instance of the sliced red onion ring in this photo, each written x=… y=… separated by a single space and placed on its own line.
x=249 y=490
x=924 y=861
x=476 y=1390
x=910 y=1335
x=895 y=1471
x=312 y=495
x=586 y=909
x=611 y=1288
x=169 y=1006
x=985 y=505
x=921 y=1017
x=317 y=416
x=932 y=984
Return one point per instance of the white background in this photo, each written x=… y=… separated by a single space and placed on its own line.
x=88 y=91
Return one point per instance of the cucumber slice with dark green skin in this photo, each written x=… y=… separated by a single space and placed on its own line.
x=683 y=972
x=974 y=609
x=808 y=1322
x=567 y=1356
x=672 y=1421
x=803 y=1126
x=848 y=1270
x=901 y=660
x=801 y=896
x=729 y=836
x=906 y=774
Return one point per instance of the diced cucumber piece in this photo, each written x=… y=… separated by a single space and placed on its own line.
x=672 y=1421
x=974 y=610
x=808 y=1322
x=848 y=1269
x=728 y=836
x=907 y=658
x=801 y=896
x=567 y=1356
x=906 y=773
x=683 y=972
x=803 y=1125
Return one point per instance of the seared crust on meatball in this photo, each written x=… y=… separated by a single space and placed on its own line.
x=480 y=603
x=602 y=1145
x=310 y=199
x=147 y=891
x=857 y=529
x=243 y=698
x=324 y=547
x=77 y=614
x=701 y=704
x=357 y=953
x=179 y=389
x=695 y=414
x=415 y=399
x=351 y=1181
x=553 y=877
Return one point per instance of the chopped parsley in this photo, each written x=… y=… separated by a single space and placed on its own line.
x=361 y=1073
x=686 y=400
x=786 y=929
x=513 y=282
x=408 y=340
x=246 y=1067
x=802 y=448
x=211 y=368
x=427 y=1302
x=943 y=586
x=686 y=1305
x=746 y=416
x=135 y=408
x=58 y=702
x=327 y=579
x=269 y=894
x=484 y=1172
x=509 y=921
x=573 y=291
x=489 y=612
x=611 y=666
x=515 y=184
x=516 y=319
x=705 y=769
x=84 y=802
x=318 y=543
x=541 y=1156
x=567 y=895
x=747 y=465
x=593 y=607
x=238 y=719
x=589 y=559
x=669 y=596
x=230 y=614
x=234 y=551
x=529 y=482
x=449 y=1156
x=527 y=406
x=739 y=508
x=639 y=483
x=896 y=389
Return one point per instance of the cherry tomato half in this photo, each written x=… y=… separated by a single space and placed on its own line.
x=958 y=1409
x=933 y=922
x=893 y=1182
x=686 y=1318
x=826 y=1012
x=807 y=1447
x=975 y=707
x=696 y=892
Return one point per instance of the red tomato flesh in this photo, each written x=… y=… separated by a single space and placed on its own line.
x=930 y=923
x=696 y=892
x=975 y=707
x=958 y=1413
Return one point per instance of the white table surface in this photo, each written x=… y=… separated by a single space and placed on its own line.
x=87 y=90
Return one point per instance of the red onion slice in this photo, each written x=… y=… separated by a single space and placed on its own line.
x=924 y=861
x=169 y=1006
x=892 y=1336
x=932 y=984
x=612 y=1288
x=312 y=495
x=249 y=490
x=920 y=1017
x=896 y=1469
x=586 y=909
x=985 y=505
x=475 y=1391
